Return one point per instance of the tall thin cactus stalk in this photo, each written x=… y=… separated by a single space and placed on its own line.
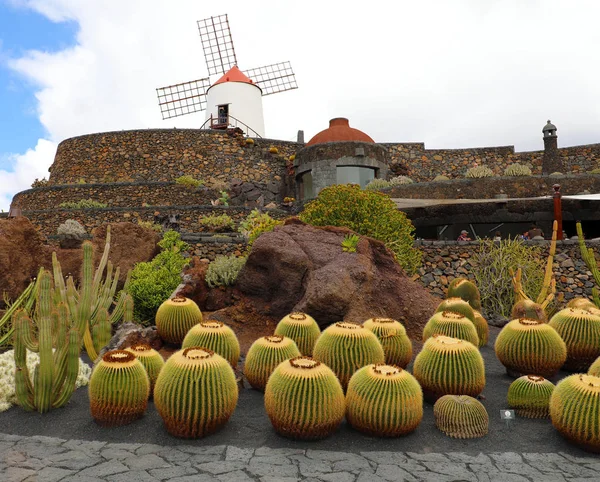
x=25 y=300
x=590 y=261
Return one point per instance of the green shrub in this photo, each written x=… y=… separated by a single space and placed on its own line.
x=150 y=225
x=153 y=282
x=593 y=171
x=224 y=199
x=399 y=180
x=479 y=171
x=224 y=270
x=517 y=170
x=368 y=213
x=440 y=177
x=82 y=204
x=216 y=223
x=255 y=224
x=189 y=181
x=491 y=270
x=376 y=184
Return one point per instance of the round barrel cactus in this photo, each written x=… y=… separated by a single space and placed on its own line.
x=457 y=305
x=581 y=331
x=265 y=355
x=527 y=346
x=151 y=359
x=345 y=347
x=215 y=336
x=465 y=289
x=449 y=366
x=196 y=392
x=575 y=410
x=461 y=416
x=530 y=396
x=528 y=309
x=581 y=303
x=595 y=368
x=119 y=389
x=396 y=344
x=483 y=329
x=175 y=317
x=304 y=399
x=451 y=324
x=301 y=328
x=398 y=409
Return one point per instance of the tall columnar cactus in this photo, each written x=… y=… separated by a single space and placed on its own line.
x=175 y=317
x=265 y=355
x=527 y=308
x=581 y=331
x=150 y=359
x=384 y=400
x=195 y=393
x=457 y=305
x=396 y=344
x=301 y=328
x=449 y=366
x=590 y=260
x=345 y=347
x=465 y=289
x=575 y=412
x=451 y=324
x=483 y=329
x=304 y=399
x=25 y=301
x=215 y=336
x=530 y=347
x=461 y=416
x=119 y=389
x=54 y=379
x=595 y=368
x=530 y=396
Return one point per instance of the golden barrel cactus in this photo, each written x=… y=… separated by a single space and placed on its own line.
x=175 y=317
x=301 y=328
x=150 y=359
x=396 y=344
x=581 y=304
x=265 y=355
x=304 y=399
x=465 y=289
x=457 y=305
x=575 y=410
x=345 y=347
x=595 y=368
x=530 y=396
x=451 y=324
x=384 y=400
x=528 y=309
x=215 y=336
x=483 y=329
x=449 y=366
x=119 y=389
x=196 y=392
x=580 y=329
x=461 y=416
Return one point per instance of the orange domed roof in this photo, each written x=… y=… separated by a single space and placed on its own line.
x=234 y=75
x=339 y=130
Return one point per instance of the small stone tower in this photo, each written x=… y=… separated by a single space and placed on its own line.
x=551 y=161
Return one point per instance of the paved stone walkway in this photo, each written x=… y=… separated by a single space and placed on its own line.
x=48 y=459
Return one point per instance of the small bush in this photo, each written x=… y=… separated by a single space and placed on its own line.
x=189 y=181
x=517 y=170
x=594 y=171
x=250 y=141
x=479 y=171
x=224 y=199
x=273 y=150
x=256 y=224
x=399 y=180
x=71 y=229
x=39 y=182
x=350 y=243
x=150 y=225
x=440 y=178
x=224 y=270
x=82 y=204
x=217 y=223
x=377 y=184
x=557 y=174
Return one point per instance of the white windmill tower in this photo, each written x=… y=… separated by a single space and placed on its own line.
x=233 y=100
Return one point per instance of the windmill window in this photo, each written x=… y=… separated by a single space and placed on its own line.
x=223 y=114
x=355 y=175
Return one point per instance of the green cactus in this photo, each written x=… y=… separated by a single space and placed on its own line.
x=215 y=336
x=54 y=379
x=150 y=359
x=449 y=366
x=396 y=344
x=580 y=329
x=595 y=368
x=451 y=324
x=457 y=305
x=527 y=346
x=590 y=260
x=530 y=396
x=461 y=416
x=527 y=308
x=175 y=317
x=265 y=355
x=384 y=400
x=483 y=329
x=195 y=393
x=119 y=389
x=574 y=410
x=465 y=289
x=345 y=347
x=581 y=304
x=304 y=399
x=301 y=328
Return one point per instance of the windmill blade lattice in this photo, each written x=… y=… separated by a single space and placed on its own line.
x=273 y=78
x=217 y=44
x=184 y=98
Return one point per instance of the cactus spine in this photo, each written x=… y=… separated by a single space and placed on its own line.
x=574 y=410
x=345 y=347
x=150 y=359
x=175 y=317
x=195 y=393
x=119 y=389
x=384 y=400
x=461 y=416
x=451 y=324
x=457 y=305
x=449 y=366
x=581 y=331
x=215 y=336
x=526 y=346
x=483 y=329
x=530 y=396
x=304 y=399
x=465 y=289
x=265 y=355
x=301 y=328
x=396 y=344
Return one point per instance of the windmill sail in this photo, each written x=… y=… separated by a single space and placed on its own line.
x=217 y=44
x=273 y=78
x=184 y=98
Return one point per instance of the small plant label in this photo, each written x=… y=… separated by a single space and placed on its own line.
x=508 y=416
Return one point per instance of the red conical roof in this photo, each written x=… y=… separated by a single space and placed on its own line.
x=234 y=75
x=339 y=130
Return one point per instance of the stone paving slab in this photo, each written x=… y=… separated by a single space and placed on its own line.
x=50 y=459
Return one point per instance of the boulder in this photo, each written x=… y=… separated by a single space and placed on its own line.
x=131 y=334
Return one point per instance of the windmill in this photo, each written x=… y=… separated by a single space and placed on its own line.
x=235 y=99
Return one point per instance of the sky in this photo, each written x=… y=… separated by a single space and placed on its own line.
x=460 y=73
